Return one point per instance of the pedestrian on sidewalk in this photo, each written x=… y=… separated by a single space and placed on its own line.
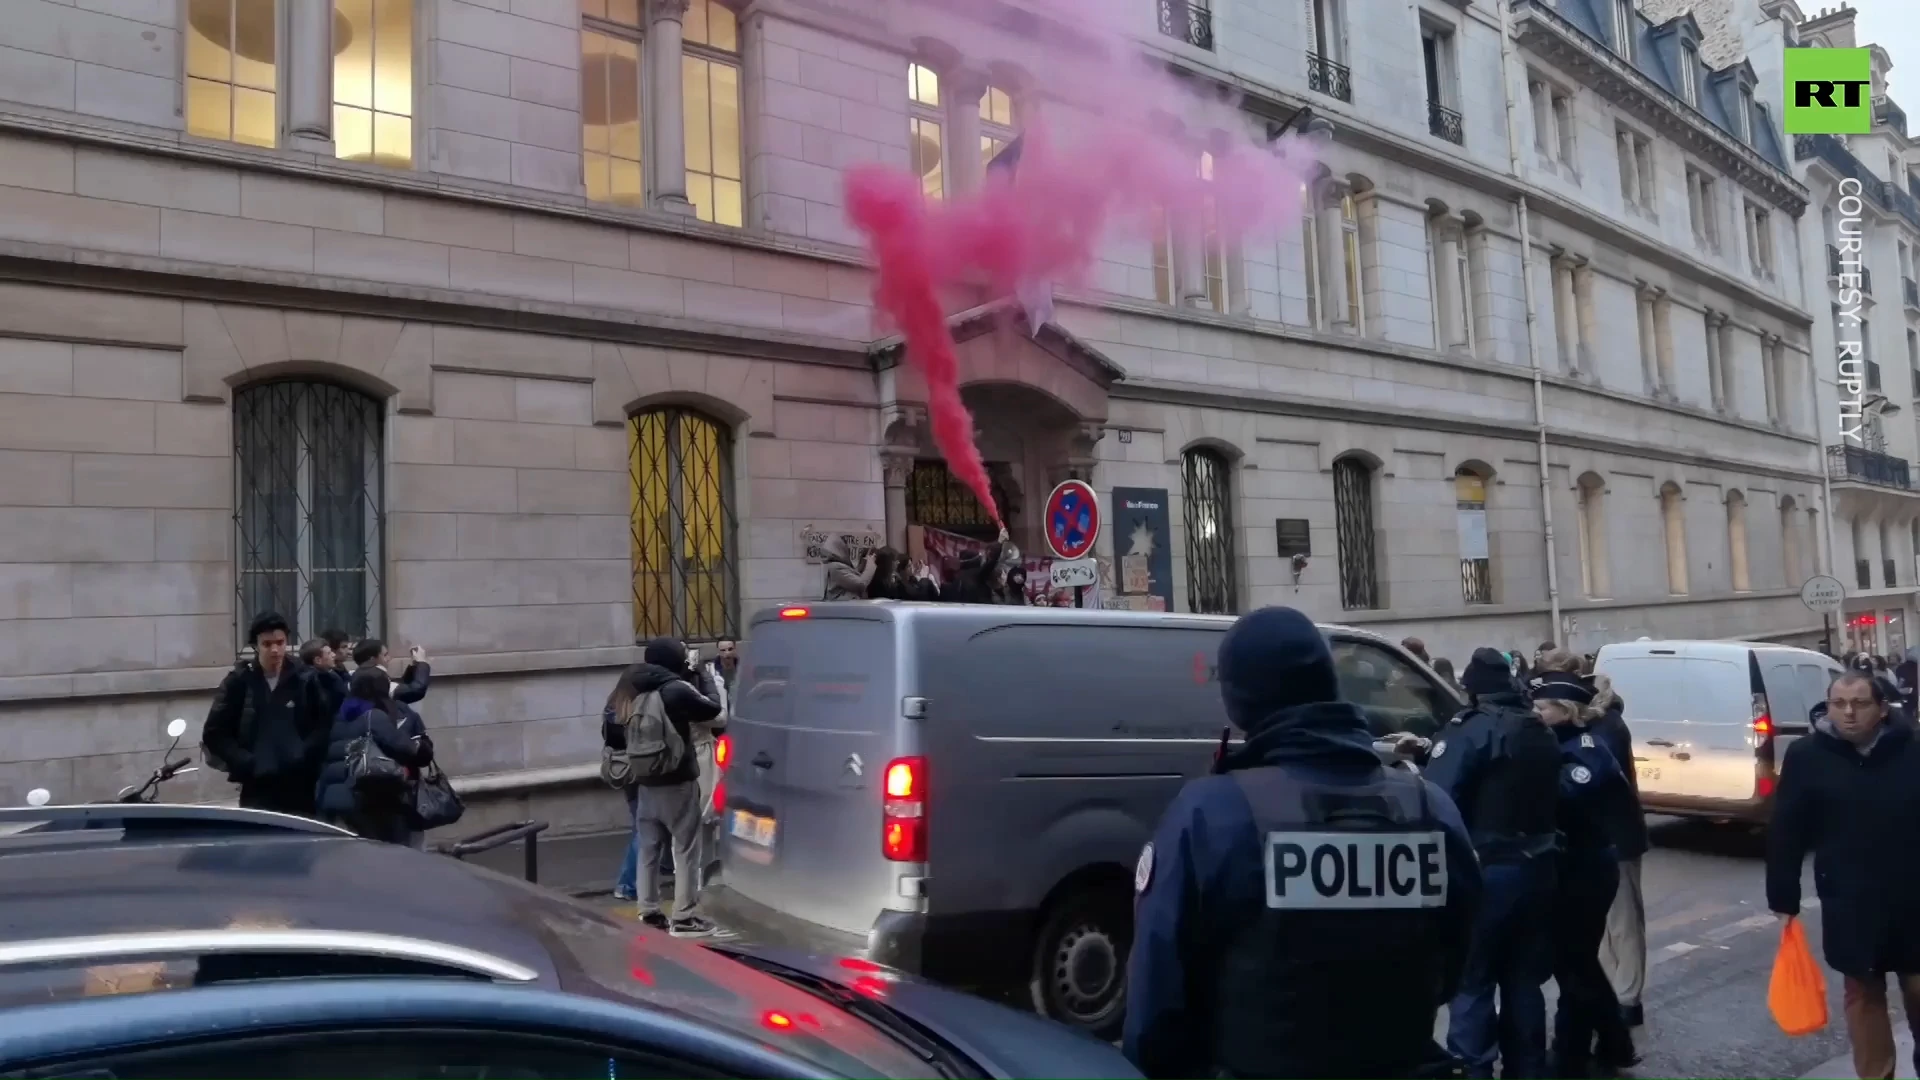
x=1850 y=794
x=267 y=729
x=663 y=776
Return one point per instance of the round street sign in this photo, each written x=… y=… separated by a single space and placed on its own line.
x=1072 y=520
x=1823 y=595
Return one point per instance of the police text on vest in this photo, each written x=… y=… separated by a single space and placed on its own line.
x=1345 y=870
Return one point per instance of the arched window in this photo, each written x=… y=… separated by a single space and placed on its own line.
x=1354 y=534
x=1356 y=313
x=685 y=537
x=996 y=123
x=1790 y=542
x=1737 y=542
x=1476 y=560
x=925 y=144
x=1673 y=518
x=309 y=494
x=1208 y=493
x=1594 y=575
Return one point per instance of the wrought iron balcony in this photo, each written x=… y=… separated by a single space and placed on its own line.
x=1326 y=77
x=1863 y=573
x=1868 y=467
x=1188 y=21
x=1445 y=123
x=1910 y=289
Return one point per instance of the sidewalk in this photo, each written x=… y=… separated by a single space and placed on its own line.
x=1841 y=1068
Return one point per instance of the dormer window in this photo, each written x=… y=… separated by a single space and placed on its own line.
x=1689 y=80
x=1623 y=42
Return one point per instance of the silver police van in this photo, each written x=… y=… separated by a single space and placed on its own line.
x=962 y=790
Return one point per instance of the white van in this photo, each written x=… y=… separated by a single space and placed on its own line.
x=1711 y=719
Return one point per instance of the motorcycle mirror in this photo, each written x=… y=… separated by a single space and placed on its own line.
x=39 y=797
x=176 y=727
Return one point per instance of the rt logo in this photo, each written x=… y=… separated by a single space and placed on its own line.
x=1828 y=92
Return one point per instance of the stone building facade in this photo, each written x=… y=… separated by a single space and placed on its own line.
x=1863 y=243
x=514 y=329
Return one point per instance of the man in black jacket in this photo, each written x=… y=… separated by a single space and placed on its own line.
x=1623 y=952
x=665 y=808
x=268 y=726
x=1850 y=793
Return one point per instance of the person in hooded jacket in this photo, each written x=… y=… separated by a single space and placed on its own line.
x=1255 y=952
x=1501 y=767
x=889 y=579
x=1850 y=794
x=1587 y=1027
x=666 y=809
x=976 y=581
x=846 y=579
x=369 y=710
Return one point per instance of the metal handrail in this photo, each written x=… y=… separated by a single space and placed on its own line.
x=232 y=942
x=528 y=831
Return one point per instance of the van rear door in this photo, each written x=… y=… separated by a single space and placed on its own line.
x=1691 y=713
x=813 y=730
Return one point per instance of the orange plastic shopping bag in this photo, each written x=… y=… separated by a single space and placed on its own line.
x=1798 y=993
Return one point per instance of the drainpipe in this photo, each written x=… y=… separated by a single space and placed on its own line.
x=1533 y=318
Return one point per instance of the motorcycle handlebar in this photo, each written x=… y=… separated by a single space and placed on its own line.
x=175 y=766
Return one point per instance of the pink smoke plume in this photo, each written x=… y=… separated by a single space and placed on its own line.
x=1122 y=159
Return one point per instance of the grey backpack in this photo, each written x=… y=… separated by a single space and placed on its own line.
x=654 y=748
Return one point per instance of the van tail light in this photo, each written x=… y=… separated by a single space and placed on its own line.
x=793 y=613
x=1760 y=726
x=722 y=753
x=1763 y=785
x=903 y=821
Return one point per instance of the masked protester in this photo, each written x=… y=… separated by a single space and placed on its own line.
x=1244 y=962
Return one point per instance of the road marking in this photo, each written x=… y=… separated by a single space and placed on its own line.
x=1719 y=935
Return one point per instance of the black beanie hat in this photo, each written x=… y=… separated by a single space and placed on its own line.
x=1487 y=673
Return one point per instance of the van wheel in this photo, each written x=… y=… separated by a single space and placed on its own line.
x=1080 y=963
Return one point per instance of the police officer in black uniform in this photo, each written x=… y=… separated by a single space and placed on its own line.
x=1501 y=766
x=1587 y=1028
x=1306 y=910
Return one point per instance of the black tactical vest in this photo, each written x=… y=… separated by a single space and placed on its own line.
x=1511 y=815
x=1342 y=972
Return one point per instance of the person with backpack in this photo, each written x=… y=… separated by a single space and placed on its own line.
x=648 y=730
x=268 y=726
x=372 y=806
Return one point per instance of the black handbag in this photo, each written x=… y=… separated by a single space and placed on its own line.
x=434 y=801
x=370 y=770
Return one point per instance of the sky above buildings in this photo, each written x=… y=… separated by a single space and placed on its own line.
x=1894 y=25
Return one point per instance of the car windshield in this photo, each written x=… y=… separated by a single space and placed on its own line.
x=645 y=965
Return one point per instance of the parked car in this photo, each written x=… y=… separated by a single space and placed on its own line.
x=1711 y=719
x=163 y=941
x=963 y=790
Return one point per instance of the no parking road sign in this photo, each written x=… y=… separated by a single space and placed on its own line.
x=1072 y=520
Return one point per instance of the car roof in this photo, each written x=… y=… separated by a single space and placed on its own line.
x=190 y=875
x=904 y=611
x=1723 y=650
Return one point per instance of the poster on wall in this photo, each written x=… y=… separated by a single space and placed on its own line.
x=1142 y=549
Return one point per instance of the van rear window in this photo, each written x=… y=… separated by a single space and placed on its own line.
x=1683 y=689
x=818 y=673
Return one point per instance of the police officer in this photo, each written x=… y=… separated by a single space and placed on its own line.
x=1587 y=1027
x=1304 y=911
x=1501 y=766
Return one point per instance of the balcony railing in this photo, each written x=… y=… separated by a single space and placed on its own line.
x=1326 y=77
x=1910 y=289
x=1863 y=573
x=1190 y=22
x=1445 y=123
x=1892 y=578
x=1867 y=467
x=1834 y=153
x=1873 y=374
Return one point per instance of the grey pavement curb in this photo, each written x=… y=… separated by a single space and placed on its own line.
x=1841 y=1068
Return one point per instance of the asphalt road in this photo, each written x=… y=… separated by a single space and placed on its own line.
x=1711 y=945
